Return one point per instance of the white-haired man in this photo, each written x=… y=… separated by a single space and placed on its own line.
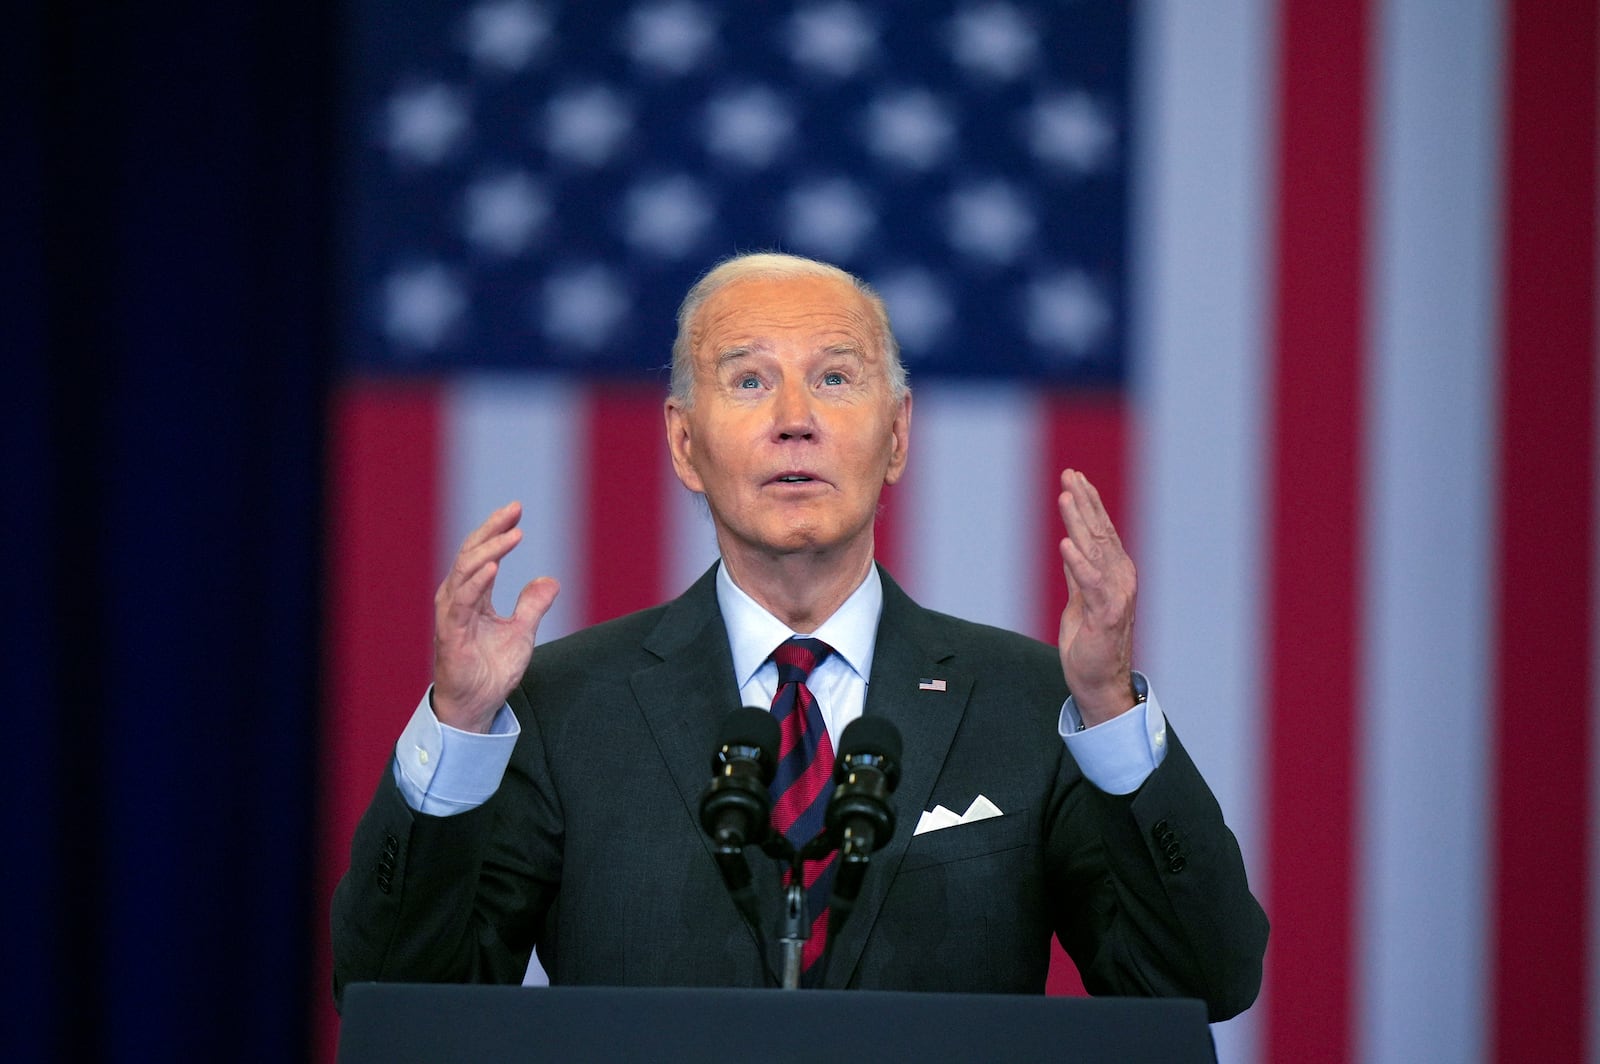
x=557 y=806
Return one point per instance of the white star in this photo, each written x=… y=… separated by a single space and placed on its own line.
x=990 y=221
x=667 y=216
x=504 y=212
x=919 y=309
x=748 y=126
x=1071 y=130
x=582 y=306
x=911 y=128
x=832 y=38
x=995 y=39
x=504 y=35
x=1067 y=314
x=587 y=125
x=830 y=217
x=421 y=304
x=673 y=37
x=426 y=123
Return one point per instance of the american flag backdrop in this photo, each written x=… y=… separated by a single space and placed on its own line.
x=1306 y=287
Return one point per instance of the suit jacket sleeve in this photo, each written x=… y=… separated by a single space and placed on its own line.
x=449 y=899
x=1161 y=905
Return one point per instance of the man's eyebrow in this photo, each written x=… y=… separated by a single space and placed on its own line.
x=733 y=354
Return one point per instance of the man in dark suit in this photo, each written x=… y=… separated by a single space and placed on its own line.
x=549 y=798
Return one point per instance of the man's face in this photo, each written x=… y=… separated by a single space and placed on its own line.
x=793 y=431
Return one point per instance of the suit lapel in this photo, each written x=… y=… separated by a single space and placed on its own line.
x=687 y=693
x=911 y=647
x=684 y=698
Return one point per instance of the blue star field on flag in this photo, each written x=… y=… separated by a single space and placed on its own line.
x=535 y=185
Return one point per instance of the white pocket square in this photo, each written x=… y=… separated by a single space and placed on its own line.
x=939 y=817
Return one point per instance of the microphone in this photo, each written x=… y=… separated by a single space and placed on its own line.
x=859 y=819
x=736 y=807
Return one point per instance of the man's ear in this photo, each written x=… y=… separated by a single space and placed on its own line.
x=900 y=449
x=680 y=445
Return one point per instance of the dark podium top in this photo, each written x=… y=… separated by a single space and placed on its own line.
x=397 y=1023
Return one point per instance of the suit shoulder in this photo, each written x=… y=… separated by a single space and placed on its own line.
x=993 y=643
x=609 y=643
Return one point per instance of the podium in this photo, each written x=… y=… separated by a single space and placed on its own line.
x=398 y=1023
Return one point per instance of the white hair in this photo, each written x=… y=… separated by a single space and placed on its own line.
x=775 y=266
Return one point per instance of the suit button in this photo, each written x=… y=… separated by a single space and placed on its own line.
x=1159 y=830
x=1177 y=864
x=1172 y=850
x=391 y=845
x=383 y=883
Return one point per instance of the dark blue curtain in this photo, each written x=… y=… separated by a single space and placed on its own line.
x=165 y=191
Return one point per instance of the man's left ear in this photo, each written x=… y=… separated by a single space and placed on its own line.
x=900 y=434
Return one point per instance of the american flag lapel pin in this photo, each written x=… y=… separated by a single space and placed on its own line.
x=930 y=685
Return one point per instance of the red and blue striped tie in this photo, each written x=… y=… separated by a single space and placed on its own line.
x=800 y=786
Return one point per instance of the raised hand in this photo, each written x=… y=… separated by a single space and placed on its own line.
x=1096 y=638
x=478 y=655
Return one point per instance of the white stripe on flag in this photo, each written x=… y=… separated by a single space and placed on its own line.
x=1423 y=908
x=973 y=496
x=1202 y=205
x=517 y=437
x=692 y=542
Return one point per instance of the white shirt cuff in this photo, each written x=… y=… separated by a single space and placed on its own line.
x=1118 y=755
x=442 y=770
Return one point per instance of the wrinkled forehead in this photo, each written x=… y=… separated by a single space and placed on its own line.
x=757 y=313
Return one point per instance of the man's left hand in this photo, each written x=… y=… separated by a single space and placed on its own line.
x=1096 y=638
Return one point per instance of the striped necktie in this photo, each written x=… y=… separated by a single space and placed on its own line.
x=800 y=785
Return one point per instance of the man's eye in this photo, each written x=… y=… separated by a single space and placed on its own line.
x=833 y=378
x=748 y=382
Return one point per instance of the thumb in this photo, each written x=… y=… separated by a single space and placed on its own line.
x=534 y=601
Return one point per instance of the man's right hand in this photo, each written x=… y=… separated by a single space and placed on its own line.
x=478 y=656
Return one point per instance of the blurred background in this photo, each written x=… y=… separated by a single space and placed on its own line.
x=297 y=293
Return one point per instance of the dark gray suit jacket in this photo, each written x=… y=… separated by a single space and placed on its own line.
x=591 y=849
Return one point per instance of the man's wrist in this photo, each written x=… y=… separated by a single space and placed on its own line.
x=1097 y=707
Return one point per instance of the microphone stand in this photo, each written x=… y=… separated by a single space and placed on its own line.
x=796 y=925
x=796 y=921
x=796 y=918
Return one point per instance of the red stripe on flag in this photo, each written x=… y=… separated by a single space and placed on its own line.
x=1541 y=870
x=382 y=558
x=887 y=545
x=624 y=548
x=1313 y=608
x=1087 y=432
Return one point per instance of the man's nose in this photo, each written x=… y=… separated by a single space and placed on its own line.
x=793 y=415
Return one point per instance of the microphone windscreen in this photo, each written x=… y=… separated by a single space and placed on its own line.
x=871 y=735
x=749 y=726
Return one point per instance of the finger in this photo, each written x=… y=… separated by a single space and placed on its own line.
x=1090 y=503
x=498 y=522
x=1076 y=522
x=469 y=562
x=470 y=582
x=473 y=594
x=1083 y=576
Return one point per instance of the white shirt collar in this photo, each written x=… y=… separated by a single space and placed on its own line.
x=753 y=633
